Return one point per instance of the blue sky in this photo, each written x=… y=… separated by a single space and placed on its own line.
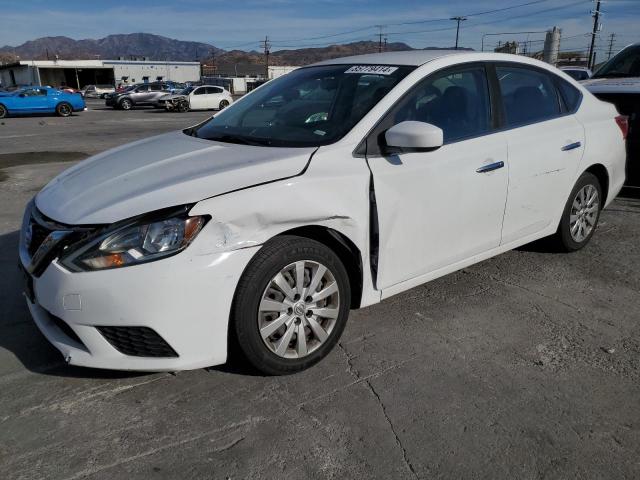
x=299 y=23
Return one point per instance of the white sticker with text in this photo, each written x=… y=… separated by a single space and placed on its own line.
x=372 y=69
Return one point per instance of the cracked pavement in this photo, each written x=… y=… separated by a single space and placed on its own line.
x=523 y=366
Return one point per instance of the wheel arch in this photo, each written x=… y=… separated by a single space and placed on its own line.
x=342 y=246
x=602 y=174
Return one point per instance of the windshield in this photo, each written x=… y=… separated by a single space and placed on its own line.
x=186 y=91
x=308 y=107
x=624 y=64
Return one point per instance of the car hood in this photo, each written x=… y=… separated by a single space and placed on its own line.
x=159 y=172
x=613 y=85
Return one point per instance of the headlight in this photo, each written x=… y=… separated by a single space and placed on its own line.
x=135 y=243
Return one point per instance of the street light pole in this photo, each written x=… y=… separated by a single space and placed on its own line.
x=458 y=19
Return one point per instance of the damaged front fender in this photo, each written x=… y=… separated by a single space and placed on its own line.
x=330 y=194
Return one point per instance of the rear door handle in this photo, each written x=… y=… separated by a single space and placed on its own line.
x=571 y=146
x=490 y=167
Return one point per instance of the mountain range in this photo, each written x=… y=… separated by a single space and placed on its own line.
x=156 y=47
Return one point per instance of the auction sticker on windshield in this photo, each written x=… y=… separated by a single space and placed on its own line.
x=369 y=69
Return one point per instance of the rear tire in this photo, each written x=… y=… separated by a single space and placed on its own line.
x=64 y=109
x=3 y=111
x=223 y=104
x=282 y=328
x=581 y=214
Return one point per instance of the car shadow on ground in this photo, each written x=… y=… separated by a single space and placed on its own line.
x=544 y=245
x=20 y=336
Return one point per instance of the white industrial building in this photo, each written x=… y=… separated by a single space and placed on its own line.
x=241 y=79
x=78 y=73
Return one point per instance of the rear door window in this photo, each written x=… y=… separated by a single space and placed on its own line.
x=213 y=90
x=528 y=95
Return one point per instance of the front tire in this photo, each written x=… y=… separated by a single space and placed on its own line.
x=125 y=104
x=183 y=107
x=63 y=109
x=3 y=111
x=581 y=214
x=291 y=305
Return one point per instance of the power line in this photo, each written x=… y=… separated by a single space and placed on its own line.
x=282 y=43
x=472 y=25
x=476 y=14
x=432 y=20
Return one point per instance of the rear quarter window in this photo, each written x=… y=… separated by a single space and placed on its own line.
x=571 y=96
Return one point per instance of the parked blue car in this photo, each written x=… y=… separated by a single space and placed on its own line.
x=38 y=99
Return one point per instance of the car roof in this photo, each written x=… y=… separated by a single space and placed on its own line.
x=410 y=57
x=573 y=68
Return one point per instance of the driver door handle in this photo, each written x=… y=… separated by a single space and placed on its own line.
x=490 y=167
x=571 y=146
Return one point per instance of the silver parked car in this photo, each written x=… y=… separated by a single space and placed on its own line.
x=142 y=94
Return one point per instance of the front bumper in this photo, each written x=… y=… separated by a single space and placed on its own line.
x=185 y=299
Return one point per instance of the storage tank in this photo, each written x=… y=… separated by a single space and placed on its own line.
x=552 y=46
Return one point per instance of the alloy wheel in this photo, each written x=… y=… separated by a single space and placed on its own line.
x=584 y=213
x=64 y=110
x=299 y=309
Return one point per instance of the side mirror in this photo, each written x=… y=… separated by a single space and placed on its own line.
x=412 y=136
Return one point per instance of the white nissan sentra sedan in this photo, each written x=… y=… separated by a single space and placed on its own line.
x=331 y=188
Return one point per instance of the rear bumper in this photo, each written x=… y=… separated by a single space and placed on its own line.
x=185 y=299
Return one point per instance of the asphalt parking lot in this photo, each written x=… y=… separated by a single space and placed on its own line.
x=525 y=366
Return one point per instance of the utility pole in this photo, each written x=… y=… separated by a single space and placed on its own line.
x=594 y=32
x=458 y=19
x=612 y=39
x=267 y=47
x=380 y=37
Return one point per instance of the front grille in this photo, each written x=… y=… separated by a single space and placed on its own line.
x=66 y=329
x=137 y=341
x=38 y=234
x=44 y=239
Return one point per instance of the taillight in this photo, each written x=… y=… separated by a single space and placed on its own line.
x=623 y=123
